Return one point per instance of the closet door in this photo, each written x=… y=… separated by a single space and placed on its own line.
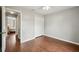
x=0 y=29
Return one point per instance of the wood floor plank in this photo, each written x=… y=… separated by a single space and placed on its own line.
x=46 y=44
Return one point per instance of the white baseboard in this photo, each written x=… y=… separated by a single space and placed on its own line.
x=52 y=37
x=30 y=39
x=63 y=39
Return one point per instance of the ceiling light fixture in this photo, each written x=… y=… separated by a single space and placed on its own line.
x=11 y=12
x=46 y=7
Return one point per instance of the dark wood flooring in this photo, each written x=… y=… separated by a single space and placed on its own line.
x=42 y=44
x=12 y=43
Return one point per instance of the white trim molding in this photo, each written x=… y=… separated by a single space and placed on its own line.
x=63 y=39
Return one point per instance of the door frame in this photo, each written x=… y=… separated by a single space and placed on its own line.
x=4 y=29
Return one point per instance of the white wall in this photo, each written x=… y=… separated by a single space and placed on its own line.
x=63 y=24
x=39 y=25
x=27 y=27
x=31 y=24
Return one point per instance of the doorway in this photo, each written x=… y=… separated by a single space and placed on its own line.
x=11 y=24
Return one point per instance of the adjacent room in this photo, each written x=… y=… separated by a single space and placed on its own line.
x=40 y=28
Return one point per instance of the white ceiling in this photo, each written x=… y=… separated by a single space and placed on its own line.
x=38 y=9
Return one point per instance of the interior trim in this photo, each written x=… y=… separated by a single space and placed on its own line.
x=62 y=39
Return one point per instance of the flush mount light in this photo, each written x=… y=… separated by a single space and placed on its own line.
x=46 y=7
x=11 y=12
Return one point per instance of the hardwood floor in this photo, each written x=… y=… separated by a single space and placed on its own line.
x=12 y=43
x=48 y=44
x=43 y=44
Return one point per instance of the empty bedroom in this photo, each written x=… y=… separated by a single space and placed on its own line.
x=40 y=28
